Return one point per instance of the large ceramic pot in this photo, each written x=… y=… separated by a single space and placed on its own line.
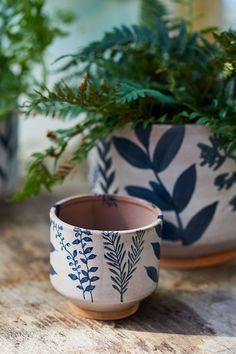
x=8 y=155
x=182 y=170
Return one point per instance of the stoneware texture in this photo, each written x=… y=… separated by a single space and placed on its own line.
x=182 y=170
x=105 y=253
x=8 y=155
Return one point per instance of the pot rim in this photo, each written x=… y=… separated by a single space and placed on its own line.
x=129 y=199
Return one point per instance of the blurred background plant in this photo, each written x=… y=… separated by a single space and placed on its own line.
x=26 y=31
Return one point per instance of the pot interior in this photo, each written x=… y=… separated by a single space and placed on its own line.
x=113 y=213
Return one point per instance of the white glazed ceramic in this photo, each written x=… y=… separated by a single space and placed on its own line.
x=105 y=253
x=8 y=155
x=183 y=170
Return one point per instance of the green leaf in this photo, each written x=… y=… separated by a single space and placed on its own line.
x=129 y=92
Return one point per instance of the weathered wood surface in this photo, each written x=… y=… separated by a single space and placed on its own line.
x=191 y=312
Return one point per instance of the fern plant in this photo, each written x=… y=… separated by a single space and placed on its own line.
x=143 y=74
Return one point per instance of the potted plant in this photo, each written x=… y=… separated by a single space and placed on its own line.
x=26 y=32
x=160 y=124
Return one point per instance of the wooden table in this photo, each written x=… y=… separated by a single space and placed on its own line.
x=191 y=312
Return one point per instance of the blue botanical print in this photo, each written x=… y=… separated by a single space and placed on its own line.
x=214 y=156
x=156 y=249
x=225 y=180
x=152 y=273
x=164 y=153
x=233 y=203
x=52 y=270
x=122 y=267
x=52 y=249
x=8 y=142
x=109 y=200
x=86 y=254
x=81 y=272
x=158 y=229
x=106 y=175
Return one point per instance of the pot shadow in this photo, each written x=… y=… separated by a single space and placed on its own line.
x=163 y=313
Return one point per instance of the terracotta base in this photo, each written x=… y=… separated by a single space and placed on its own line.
x=201 y=262
x=104 y=316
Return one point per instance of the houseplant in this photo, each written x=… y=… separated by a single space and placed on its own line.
x=136 y=79
x=26 y=32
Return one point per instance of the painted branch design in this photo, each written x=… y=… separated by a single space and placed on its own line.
x=104 y=169
x=122 y=270
x=164 y=153
x=214 y=156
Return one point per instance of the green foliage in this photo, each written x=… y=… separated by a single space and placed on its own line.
x=136 y=75
x=25 y=32
x=151 y=11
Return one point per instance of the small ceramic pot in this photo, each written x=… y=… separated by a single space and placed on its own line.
x=8 y=155
x=105 y=253
x=184 y=170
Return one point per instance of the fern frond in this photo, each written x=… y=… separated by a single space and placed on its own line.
x=128 y=92
x=119 y=37
x=151 y=11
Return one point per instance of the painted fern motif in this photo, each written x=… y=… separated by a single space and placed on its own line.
x=122 y=270
x=106 y=174
x=135 y=254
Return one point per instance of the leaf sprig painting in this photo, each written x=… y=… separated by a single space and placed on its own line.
x=160 y=72
x=176 y=201
x=79 y=259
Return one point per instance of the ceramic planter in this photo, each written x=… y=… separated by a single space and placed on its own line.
x=182 y=170
x=105 y=253
x=8 y=155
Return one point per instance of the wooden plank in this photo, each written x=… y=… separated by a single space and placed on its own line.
x=191 y=312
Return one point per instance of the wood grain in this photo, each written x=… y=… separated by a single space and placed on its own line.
x=191 y=312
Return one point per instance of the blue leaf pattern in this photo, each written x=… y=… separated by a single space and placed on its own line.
x=233 y=203
x=165 y=151
x=199 y=223
x=171 y=232
x=52 y=248
x=121 y=267
x=132 y=153
x=152 y=273
x=184 y=188
x=81 y=270
x=214 y=156
x=142 y=193
x=106 y=174
x=162 y=197
x=52 y=270
x=143 y=135
x=156 y=249
x=167 y=147
x=158 y=229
